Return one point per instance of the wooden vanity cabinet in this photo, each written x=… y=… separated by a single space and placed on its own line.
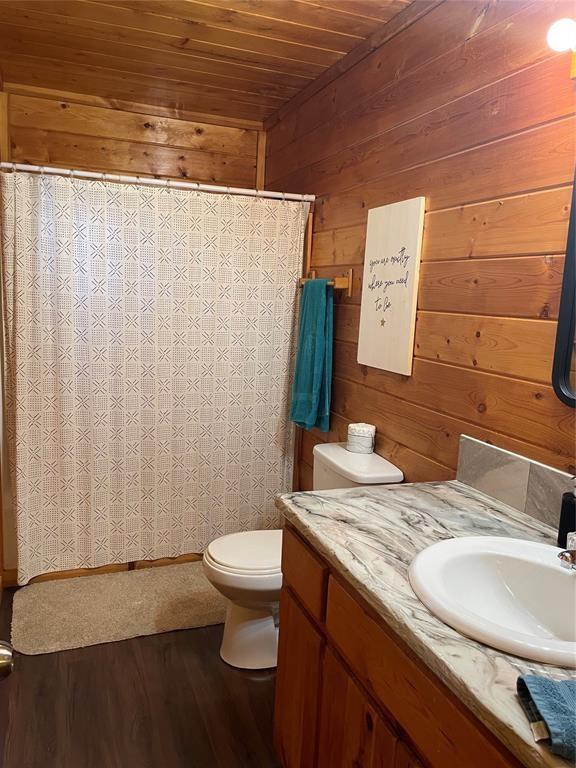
x=298 y=682
x=352 y=731
x=350 y=695
x=405 y=758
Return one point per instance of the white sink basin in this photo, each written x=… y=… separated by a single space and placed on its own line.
x=508 y=593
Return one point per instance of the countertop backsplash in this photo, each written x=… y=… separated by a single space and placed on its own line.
x=521 y=483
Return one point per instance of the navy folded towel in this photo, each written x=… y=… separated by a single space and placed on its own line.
x=554 y=703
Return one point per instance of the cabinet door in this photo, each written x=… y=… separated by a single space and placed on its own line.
x=300 y=651
x=435 y=721
x=405 y=758
x=352 y=734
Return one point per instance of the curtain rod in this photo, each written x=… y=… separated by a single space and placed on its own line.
x=173 y=184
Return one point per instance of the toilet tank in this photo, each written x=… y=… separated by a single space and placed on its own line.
x=335 y=467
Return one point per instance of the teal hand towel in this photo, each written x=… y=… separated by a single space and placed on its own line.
x=312 y=386
x=554 y=703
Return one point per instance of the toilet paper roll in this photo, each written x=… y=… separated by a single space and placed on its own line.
x=361 y=438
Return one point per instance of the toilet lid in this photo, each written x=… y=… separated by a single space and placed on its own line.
x=248 y=551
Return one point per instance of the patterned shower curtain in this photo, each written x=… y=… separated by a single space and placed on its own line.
x=147 y=356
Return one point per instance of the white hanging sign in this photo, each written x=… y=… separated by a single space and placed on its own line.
x=390 y=285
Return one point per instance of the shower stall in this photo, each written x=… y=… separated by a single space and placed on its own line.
x=148 y=332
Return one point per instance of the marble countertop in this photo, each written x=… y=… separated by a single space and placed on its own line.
x=370 y=536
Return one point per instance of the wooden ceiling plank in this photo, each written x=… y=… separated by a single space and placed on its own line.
x=369 y=9
x=176 y=59
x=224 y=17
x=148 y=80
x=127 y=19
x=307 y=14
x=271 y=94
x=14 y=13
x=83 y=80
x=242 y=59
x=416 y=10
x=122 y=105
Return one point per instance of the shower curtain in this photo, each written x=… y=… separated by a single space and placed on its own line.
x=147 y=358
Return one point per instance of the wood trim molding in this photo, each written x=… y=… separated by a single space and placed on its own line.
x=4 y=129
x=189 y=558
x=415 y=11
x=261 y=161
x=10 y=575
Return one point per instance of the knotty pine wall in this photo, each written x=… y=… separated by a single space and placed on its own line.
x=68 y=130
x=468 y=107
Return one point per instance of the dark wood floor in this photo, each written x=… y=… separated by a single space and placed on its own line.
x=166 y=701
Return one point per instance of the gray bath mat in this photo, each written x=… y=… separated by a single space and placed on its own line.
x=73 y=613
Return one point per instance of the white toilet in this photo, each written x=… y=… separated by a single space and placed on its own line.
x=245 y=567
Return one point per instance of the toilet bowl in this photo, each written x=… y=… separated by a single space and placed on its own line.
x=245 y=568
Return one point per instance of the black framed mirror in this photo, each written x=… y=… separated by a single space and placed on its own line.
x=564 y=365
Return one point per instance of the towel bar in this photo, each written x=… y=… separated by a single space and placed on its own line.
x=340 y=283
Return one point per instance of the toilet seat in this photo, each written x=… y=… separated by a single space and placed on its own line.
x=251 y=579
x=255 y=553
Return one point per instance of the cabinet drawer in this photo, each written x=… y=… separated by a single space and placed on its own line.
x=434 y=720
x=304 y=573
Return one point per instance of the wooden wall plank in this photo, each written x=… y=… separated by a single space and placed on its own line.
x=120 y=105
x=509 y=346
x=309 y=440
x=65 y=150
x=518 y=102
x=477 y=63
x=483 y=173
x=412 y=48
x=450 y=122
x=79 y=119
x=346 y=322
x=287 y=119
x=520 y=287
x=509 y=406
x=429 y=432
x=305 y=479
x=339 y=246
x=528 y=224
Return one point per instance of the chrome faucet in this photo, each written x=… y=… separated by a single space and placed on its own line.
x=568 y=556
